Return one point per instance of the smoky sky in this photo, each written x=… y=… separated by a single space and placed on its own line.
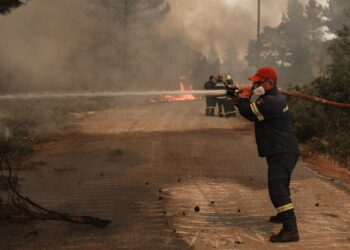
x=56 y=43
x=37 y=39
x=222 y=23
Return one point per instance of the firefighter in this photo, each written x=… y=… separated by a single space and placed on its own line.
x=220 y=85
x=230 y=108
x=210 y=100
x=276 y=141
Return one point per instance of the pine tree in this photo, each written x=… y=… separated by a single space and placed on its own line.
x=231 y=60
x=315 y=21
x=287 y=47
x=338 y=14
x=233 y=65
x=132 y=17
x=135 y=12
x=7 y=5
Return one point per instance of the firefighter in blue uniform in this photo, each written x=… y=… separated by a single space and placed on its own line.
x=230 y=108
x=221 y=100
x=267 y=107
x=210 y=100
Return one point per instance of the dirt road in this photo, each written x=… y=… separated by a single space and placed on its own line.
x=146 y=168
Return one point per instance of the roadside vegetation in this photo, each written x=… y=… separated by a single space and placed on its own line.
x=310 y=48
x=325 y=129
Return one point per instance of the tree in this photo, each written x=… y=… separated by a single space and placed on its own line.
x=7 y=5
x=233 y=65
x=130 y=12
x=315 y=21
x=295 y=36
x=274 y=50
x=292 y=46
x=324 y=128
x=337 y=14
x=130 y=21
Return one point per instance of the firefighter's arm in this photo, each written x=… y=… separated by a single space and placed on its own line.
x=263 y=109
x=244 y=105
x=246 y=110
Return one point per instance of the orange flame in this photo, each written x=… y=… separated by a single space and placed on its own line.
x=180 y=97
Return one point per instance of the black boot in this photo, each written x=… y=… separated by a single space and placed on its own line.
x=289 y=233
x=285 y=236
x=276 y=219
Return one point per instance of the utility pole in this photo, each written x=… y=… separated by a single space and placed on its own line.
x=258 y=38
x=126 y=14
x=126 y=33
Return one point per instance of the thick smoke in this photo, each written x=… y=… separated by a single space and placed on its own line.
x=76 y=45
x=37 y=40
x=222 y=23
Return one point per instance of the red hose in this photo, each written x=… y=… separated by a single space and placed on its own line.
x=314 y=98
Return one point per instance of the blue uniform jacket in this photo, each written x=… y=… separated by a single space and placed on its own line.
x=273 y=126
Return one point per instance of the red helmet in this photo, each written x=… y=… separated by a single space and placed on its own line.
x=264 y=73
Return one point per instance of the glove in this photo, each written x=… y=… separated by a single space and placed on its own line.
x=257 y=93
x=246 y=93
x=232 y=92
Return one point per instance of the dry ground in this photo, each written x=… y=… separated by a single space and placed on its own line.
x=146 y=168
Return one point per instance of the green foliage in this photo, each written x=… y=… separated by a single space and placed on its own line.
x=295 y=46
x=324 y=128
x=337 y=14
x=7 y=5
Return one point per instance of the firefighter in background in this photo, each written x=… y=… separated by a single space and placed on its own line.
x=230 y=108
x=221 y=100
x=210 y=100
x=264 y=105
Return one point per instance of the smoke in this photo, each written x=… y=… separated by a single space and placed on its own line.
x=37 y=39
x=221 y=23
x=77 y=45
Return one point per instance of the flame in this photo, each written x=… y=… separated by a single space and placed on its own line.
x=180 y=97
x=183 y=87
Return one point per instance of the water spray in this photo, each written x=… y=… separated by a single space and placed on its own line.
x=287 y=92
x=113 y=94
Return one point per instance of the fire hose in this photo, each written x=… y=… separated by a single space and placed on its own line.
x=314 y=98
x=235 y=92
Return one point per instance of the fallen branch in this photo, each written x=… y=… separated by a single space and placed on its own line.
x=46 y=214
x=23 y=208
x=69 y=218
